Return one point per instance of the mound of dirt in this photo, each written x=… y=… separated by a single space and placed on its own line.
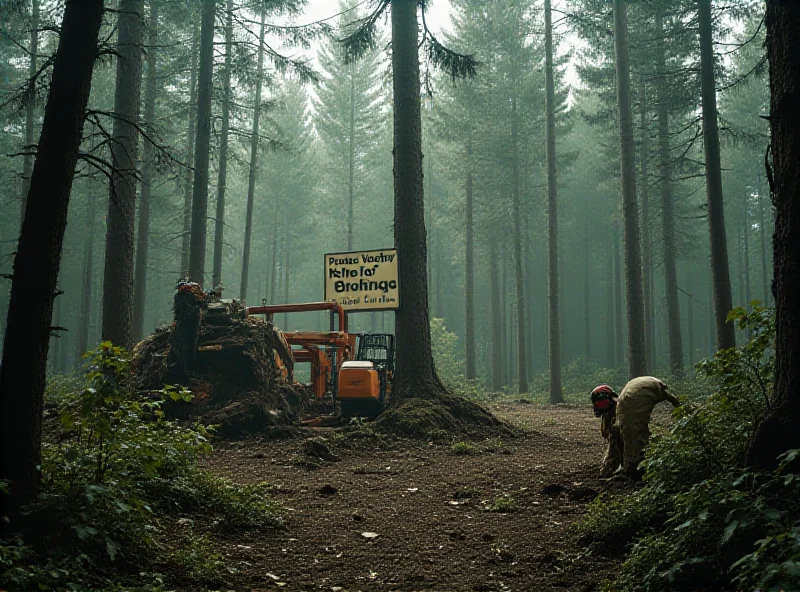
x=441 y=418
x=236 y=382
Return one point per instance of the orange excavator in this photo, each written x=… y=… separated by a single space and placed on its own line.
x=353 y=371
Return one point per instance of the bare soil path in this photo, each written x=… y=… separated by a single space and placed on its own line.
x=497 y=519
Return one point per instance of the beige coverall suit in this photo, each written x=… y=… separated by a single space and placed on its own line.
x=627 y=437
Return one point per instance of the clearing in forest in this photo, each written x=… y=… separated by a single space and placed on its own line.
x=364 y=512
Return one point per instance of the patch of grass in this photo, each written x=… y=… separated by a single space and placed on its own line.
x=464 y=448
x=237 y=507
x=504 y=504
x=495 y=445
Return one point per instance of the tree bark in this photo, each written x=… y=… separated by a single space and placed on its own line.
x=56 y=361
x=286 y=253
x=762 y=233
x=647 y=243
x=496 y=319
x=251 y=183
x=197 y=240
x=148 y=174
x=273 y=276
x=30 y=108
x=88 y=278
x=689 y=319
x=554 y=329
x=469 y=288
x=723 y=301
x=780 y=431
x=351 y=160
x=674 y=342
x=22 y=379
x=222 y=173
x=415 y=372
x=748 y=296
x=587 y=292
x=121 y=226
x=637 y=355
x=619 y=340
x=191 y=124
x=519 y=277
x=611 y=326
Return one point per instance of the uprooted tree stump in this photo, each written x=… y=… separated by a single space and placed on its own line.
x=235 y=382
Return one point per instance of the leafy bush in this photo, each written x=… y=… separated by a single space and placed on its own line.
x=702 y=521
x=112 y=468
x=463 y=448
x=502 y=505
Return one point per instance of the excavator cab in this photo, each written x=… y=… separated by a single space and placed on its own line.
x=365 y=383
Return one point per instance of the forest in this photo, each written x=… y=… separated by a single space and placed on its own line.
x=510 y=201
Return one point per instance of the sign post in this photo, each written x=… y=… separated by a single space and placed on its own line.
x=363 y=280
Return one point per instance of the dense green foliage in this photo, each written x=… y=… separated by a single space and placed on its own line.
x=702 y=520
x=115 y=475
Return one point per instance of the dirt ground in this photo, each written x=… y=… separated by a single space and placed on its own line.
x=406 y=515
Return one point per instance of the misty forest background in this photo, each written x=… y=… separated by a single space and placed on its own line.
x=301 y=158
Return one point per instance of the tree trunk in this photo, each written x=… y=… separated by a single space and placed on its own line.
x=762 y=232
x=286 y=252
x=637 y=355
x=222 y=173
x=497 y=321
x=712 y=321
x=120 y=234
x=36 y=264
x=689 y=318
x=748 y=296
x=723 y=302
x=251 y=184
x=273 y=276
x=780 y=431
x=519 y=277
x=587 y=294
x=647 y=243
x=88 y=278
x=190 y=152
x=554 y=329
x=30 y=108
x=611 y=326
x=505 y=324
x=148 y=174
x=197 y=241
x=469 y=289
x=56 y=362
x=351 y=159
x=619 y=341
x=415 y=371
x=674 y=342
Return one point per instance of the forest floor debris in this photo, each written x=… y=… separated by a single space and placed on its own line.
x=446 y=522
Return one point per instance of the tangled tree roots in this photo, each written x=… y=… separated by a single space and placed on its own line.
x=236 y=383
x=441 y=417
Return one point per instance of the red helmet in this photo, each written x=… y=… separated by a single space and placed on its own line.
x=603 y=399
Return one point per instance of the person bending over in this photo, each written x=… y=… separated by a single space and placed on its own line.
x=625 y=421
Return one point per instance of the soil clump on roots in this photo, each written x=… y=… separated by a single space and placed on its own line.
x=442 y=417
x=236 y=383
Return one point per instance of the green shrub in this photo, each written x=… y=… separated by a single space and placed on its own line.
x=503 y=505
x=463 y=448
x=701 y=521
x=112 y=467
